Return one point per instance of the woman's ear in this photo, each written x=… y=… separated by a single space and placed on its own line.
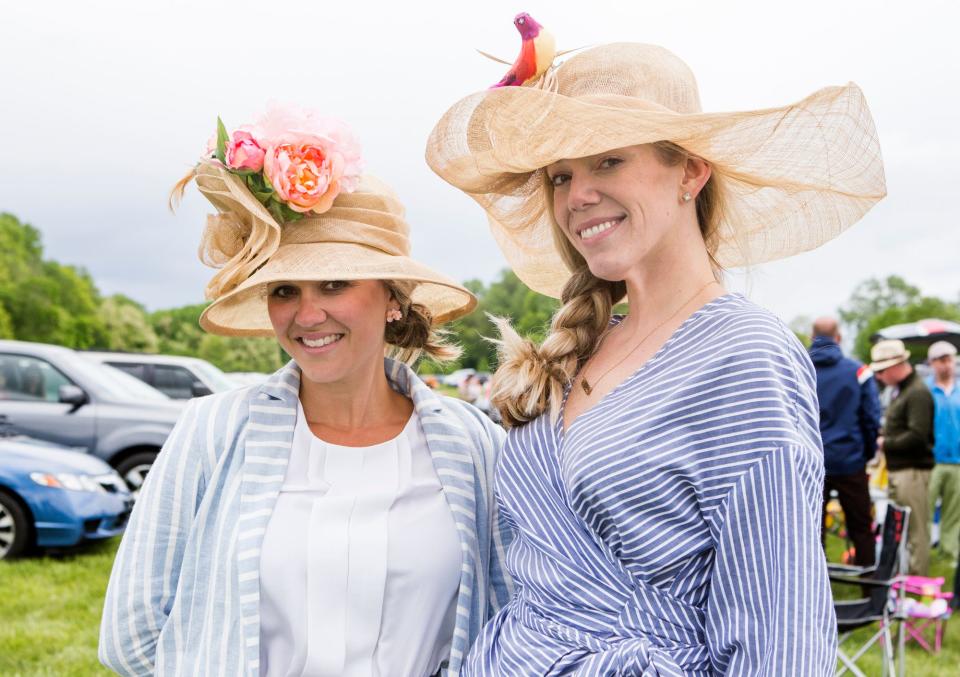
x=696 y=173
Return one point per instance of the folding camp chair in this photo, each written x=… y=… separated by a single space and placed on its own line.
x=926 y=606
x=879 y=606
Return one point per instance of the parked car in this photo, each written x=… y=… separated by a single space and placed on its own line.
x=455 y=378
x=57 y=395
x=247 y=378
x=53 y=497
x=176 y=376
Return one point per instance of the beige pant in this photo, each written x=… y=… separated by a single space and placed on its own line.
x=909 y=488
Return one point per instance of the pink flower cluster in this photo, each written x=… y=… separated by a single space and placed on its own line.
x=306 y=159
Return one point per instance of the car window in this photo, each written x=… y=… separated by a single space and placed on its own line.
x=174 y=382
x=117 y=384
x=132 y=368
x=214 y=376
x=29 y=378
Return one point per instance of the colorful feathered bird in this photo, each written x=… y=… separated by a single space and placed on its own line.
x=537 y=52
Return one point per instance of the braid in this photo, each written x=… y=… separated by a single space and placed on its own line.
x=414 y=334
x=531 y=378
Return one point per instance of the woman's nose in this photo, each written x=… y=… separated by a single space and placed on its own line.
x=311 y=311
x=581 y=193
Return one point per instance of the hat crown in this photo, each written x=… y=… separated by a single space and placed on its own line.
x=940 y=349
x=372 y=216
x=646 y=72
x=888 y=349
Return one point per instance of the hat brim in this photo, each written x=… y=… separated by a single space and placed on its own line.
x=243 y=311
x=886 y=364
x=792 y=177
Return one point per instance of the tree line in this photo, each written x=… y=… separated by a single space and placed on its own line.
x=49 y=302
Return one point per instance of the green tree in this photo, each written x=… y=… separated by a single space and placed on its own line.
x=528 y=311
x=44 y=300
x=127 y=325
x=6 y=324
x=923 y=308
x=178 y=332
x=874 y=296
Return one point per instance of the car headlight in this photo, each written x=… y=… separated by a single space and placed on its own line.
x=65 y=480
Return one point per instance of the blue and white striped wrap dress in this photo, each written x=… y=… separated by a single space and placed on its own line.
x=674 y=528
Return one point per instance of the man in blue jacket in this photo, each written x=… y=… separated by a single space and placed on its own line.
x=849 y=424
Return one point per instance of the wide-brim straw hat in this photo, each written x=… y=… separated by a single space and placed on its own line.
x=792 y=177
x=363 y=236
x=888 y=353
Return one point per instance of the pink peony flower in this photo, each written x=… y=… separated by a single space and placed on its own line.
x=295 y=125
x=243 y=152
x=308 y=176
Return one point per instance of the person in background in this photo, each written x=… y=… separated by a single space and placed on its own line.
x=907 y=443
x=945 y=479
x=849 y=423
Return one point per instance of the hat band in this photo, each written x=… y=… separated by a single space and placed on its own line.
x=383 y=237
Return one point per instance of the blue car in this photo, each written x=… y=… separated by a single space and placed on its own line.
x=52 y=497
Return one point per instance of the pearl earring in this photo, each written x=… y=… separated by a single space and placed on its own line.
x=686 y=197
x=393 y=315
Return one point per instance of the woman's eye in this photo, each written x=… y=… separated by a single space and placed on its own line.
x=336 y=285
x=559 y=179
x=610 y=162
x=284 y=291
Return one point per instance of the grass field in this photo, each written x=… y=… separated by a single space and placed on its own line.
x=50 y=612
x=50 y=616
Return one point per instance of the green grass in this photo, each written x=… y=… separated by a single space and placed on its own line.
x=50 y=612
x=50 y=616
x=918 y=662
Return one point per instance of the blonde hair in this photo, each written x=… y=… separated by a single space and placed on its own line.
x=531 y=378
x=414 y=334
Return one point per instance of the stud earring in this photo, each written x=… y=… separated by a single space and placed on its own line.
x=686 y=197
x=393 y=315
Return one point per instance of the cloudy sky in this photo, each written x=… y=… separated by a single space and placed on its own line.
x=104 y=104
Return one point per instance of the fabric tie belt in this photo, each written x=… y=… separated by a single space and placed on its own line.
x=652 y=635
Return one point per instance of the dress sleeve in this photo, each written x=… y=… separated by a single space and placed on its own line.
x=146 y=570
x=770 y=610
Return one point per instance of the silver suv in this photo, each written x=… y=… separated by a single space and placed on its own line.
x=175 y=376
x=56 y=394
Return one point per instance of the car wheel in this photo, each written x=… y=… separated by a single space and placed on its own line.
x=134 y=468
x=14 y=527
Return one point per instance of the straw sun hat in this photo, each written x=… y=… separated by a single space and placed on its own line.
x=888 y=353
x=792 y=177
x=362 y=236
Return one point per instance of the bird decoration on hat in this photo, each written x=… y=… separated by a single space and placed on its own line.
x=537 y=52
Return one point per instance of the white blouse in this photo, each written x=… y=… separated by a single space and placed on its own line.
x=361 y=560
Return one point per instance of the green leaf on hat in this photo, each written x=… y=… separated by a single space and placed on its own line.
x=290 y=214
x=274 y=209
x=222 y=138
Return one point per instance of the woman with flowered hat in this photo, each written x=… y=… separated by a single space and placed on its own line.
x=337 y=519
x=663 y=470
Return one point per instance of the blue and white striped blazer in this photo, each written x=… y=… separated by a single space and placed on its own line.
x=184 y=595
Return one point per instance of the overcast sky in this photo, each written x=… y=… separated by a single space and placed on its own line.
x=105 y=104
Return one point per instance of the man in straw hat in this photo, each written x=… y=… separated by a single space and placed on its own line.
x=945 y=480
x=663 y=470
x=907 y=443
x=284 y=527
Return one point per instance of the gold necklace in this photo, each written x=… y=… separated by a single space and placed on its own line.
x=588 y=389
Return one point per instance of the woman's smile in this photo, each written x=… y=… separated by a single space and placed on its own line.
x=596 y=229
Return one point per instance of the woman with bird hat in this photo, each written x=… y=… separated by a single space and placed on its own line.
x=663 y=470
x=338 y=519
